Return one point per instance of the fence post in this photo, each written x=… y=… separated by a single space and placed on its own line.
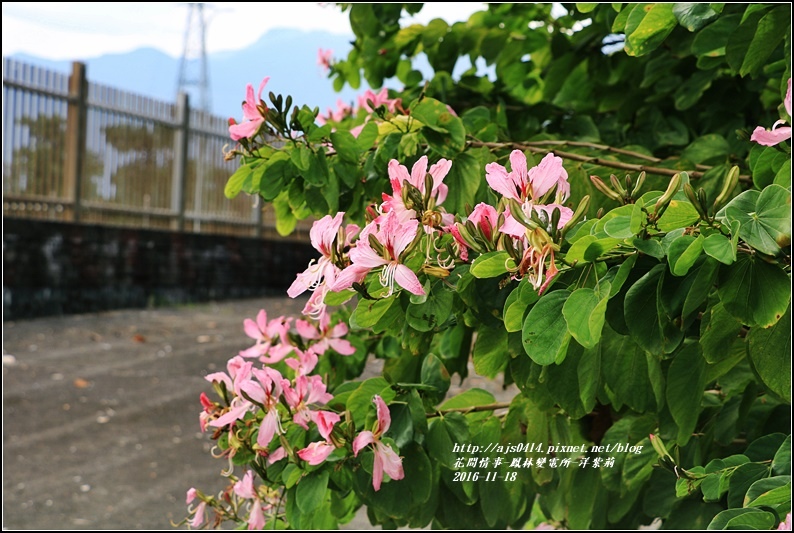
x=178 y=179
x=76 y=119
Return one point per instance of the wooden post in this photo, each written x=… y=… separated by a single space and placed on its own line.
x=178 y=179
x=76 y=120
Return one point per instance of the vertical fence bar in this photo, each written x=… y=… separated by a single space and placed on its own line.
x=76 y=119
x=178 y=181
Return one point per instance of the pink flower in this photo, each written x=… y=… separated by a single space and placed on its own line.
x=256 y=520
x=382 y=98
x=778 y=133
x=316 y=452
x=328 y=238
x=198 y=517
x=386 y=460
x=785 y=525
x=305 y=363
x=533 y=184
x=398 y=174
x=266 y=393
x=324 y=59
x=253 y=111
x=326 y=337
x=343 y=110
x=244 y=488
x=309 y=390
x=272 y=342
x=394 y=236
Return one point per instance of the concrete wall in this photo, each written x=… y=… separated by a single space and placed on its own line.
x=54 y=268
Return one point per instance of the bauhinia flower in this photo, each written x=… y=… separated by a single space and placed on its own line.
x=245 y=489
x=379 y=99
x=392 y=237
x=200 y=511
x=272 y=341
x=308 y=391
x=324 y=59
x=254 y=113
x=778 y=133
x=325 y=336
x=330 y=240
x=386 y=460
x=398 y=175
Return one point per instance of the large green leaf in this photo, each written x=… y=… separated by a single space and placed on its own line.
x=770 y=491
x=770 y=352
x=643 y=319
x=754 y=291
x=742 y=479
x=765 y=218
x=584 y=313
x=545 y=333
x=433 y=312
x=647 y=27
x=490 y=351
x=781 y=464
x=625 y=371
x=685 y=382
x=445 y=133
x=311 y=491
x=750 y=518
x=683 y=253
x=693 y=16
x=492 y=264
x=463 y=180
x=756 y=39
x=718 y=330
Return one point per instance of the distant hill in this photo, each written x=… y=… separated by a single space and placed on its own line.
x=288 y=56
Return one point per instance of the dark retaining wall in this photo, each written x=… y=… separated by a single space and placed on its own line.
x=54 y=268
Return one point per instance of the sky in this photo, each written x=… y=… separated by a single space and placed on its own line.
x=82 y=30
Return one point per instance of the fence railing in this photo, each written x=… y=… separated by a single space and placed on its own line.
x=77 y=151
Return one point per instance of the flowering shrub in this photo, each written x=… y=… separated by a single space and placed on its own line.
x=644 y=320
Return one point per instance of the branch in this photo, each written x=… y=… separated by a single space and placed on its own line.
x=537 y=147
x=472 y=409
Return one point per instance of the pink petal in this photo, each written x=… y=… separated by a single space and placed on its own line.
x=251 y=329
x=377 y=470
x=392 y=464
x=267 y=429
x=261 y=320
x=342 y=346
x=257 y=518
x=384 y=417
x=787 y=105
x=316 y=452
x=350 y=275
x=406 y=279
x=546 y=175
x=496 y=176
x=277 y=455
x=325 y=420
x=261 y=88
x=518 y=165
x=232 y=416
x=364 y=256
x=362 y=439
x=566 y=213
x=198 y=518
x=245 y=487
x=418 y=173
x=191 y=495
x=306 y=330
x=770 y=138
x=246 y=130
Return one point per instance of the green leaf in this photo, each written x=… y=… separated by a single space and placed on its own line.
x=754 y=291
x=640 y=308
x=463 y=180
x=492 y=264
x=683 y=253
x=435 y=374
x=770 y=352
x=685 y=382
x=711 y=40
x=719 y=247
x=691 y=91
x=741 y=479
x=490 y=351
x=443 y=434
x=756 y=38
x=649 y=247
x=619 y=227
x=517 y=305
x=770 y=491
x=701 y=287
x=545 y=333
x=680 y=214
x=781 y=464
x=468 y=398
x=647 y=27
x=709 y=148
x=311 y=490
x=433 y=312
x=718 y=330
x=346 y=146
x=360 y=401
x=693 y=16
x=625 y=371
x=584 y=313
x=445 y=133
x=369 y=312
x=765 y=218
x=367 y=137
x=751 y=518
x=239 y=180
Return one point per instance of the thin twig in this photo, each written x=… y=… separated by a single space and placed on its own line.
x=472 y=409
x=534 y=147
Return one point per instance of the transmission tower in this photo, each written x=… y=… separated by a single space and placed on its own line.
x=193 y=71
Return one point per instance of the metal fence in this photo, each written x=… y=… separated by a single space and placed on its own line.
x=76 y=151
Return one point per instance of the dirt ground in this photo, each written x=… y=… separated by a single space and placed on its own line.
x=100 y=413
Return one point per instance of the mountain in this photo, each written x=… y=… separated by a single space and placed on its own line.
x=288 y=56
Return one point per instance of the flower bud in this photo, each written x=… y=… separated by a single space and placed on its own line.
x=731 y=180
x=667 y=197
x=605 y=190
